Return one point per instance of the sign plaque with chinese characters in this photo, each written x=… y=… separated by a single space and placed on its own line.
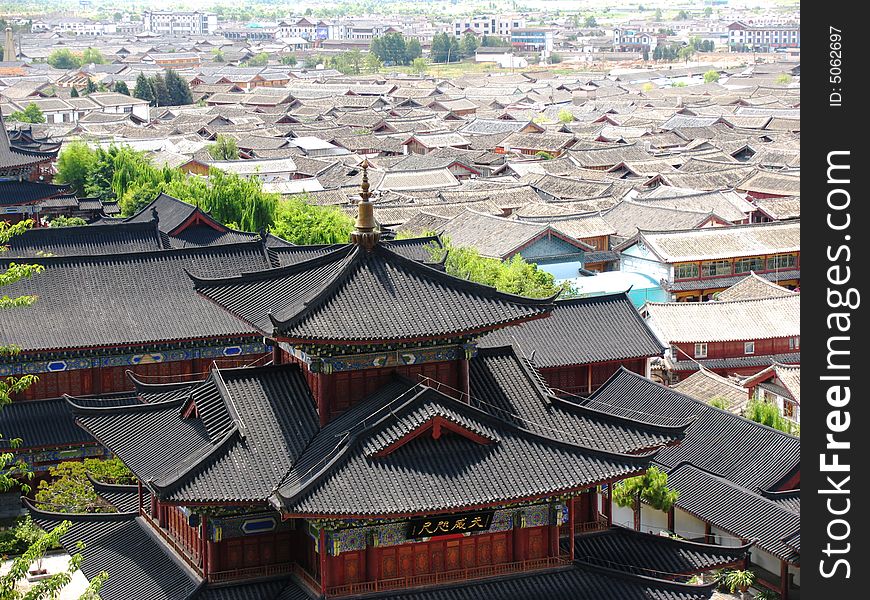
x=449 y=524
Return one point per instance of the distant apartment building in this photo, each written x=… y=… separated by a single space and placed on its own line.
x=763 y=38
x=74 y=25
x=179 y=22
x=633 y=40
x=498 y=25
x=298 y=28
x=533 y=39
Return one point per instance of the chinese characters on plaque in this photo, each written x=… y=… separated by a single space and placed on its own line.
x=449 y=524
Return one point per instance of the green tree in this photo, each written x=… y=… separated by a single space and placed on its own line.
x=768 y=414
x=162 y=97
x=784 y=79
x=218 y=55
x=413 y=50
x=74 y=164
x=63 y=221
x=63 y=58
x=92 y=56
x=70 y=491
x=121 y=88
x=682 y=16
x=224 y=148
x=590 y=22
x=178 y=89
x=686 y=53
x=708 y=12
x=739 y=580
x=288 y=59
x=90 y=87
x=658 y=15
x=651 y=488
x=555 y=58
x=711 y=76
x=493 y=41
x=299 y=222
x=445 y=48
x=73 y=93
x=419 y=65
x=371 y=63
x=566 y=116
x=513 y=276
x=30 y=114
x=719 y=402
x=143 y=89
x=260 y=59
x=468 y=45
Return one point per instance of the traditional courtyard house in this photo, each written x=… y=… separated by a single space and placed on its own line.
x=55 y=110
x=532 y=143
x=426 y=143
x=360 y=461
x=779 y=385
x=495 y=237
x=707 y=386
x=731 y=337
x=738 y=480
x=766 y=184
x=173 y=60
x=607 y=157
x=778 y=209
x=695 y=264
x=114 y=103
x=573 y=352
x=753 y=287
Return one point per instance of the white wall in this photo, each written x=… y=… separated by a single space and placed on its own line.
x=688 y=526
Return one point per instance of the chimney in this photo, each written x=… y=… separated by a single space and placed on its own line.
x=365 y=232
x=9 y=46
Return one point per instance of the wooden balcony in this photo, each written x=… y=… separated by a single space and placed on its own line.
x=430 y=579
x=599 y=524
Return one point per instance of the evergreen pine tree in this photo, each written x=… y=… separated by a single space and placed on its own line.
x=143 y=89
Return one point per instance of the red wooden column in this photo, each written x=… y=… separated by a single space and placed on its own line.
x=517 y=543
x=139 y=492
x=571 y=529
x=464 y=379
x=608 y=505
x=672 y=519
x=708 y=533
x=323 y=567
x=204 y=546
x=277 y=355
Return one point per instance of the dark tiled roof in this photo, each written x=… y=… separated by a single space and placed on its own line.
x=789 y=500
x=353 y=295
x=740 y=362
x=251 y=425
x=276 y=589
x=86 y=240
x=125 y=498
x=128 y=298
x=570 y=583
x=735 y=509
x=506 y=386
x=725 y=282
x=12 y=157
x=131 y=432
x=742 y=451
x=652 y=555
x=28 y=421
x=582 y=331
x=336 y=475
x=203 y=235
x=24 y=192
x=139 y=565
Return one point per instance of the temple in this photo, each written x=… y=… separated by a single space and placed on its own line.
x=368 y=448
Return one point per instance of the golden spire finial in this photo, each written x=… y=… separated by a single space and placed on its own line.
x=365 y=232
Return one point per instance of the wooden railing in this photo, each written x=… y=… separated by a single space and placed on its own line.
x=306 y=578
x=252 y=572
x=599 y=524
x=179 y=548
x=413 y=581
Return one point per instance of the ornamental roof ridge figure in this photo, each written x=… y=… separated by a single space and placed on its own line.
x=365 y=233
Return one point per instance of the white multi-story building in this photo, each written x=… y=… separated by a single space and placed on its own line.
x=297 y=28
x=498 y=25
x=763 y=38
x=179 y=22
x=75 y=26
